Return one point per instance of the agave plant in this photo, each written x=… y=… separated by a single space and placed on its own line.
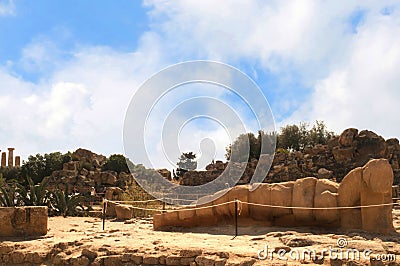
x=67 y=205
x=34 y=195
x=9 y=197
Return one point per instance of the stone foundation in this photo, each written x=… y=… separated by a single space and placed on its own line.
x=368 y=185
x=23 y=221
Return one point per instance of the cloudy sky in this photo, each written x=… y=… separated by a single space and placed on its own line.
x=68 y=69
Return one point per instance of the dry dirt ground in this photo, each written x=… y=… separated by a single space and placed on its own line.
x=68 y=237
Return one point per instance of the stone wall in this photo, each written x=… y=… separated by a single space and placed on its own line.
x=368 y=185
x=335 y=160
x=23 y=221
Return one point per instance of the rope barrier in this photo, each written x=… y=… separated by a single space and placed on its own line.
x=176 y=199
x=321 y=208
x=265 y=205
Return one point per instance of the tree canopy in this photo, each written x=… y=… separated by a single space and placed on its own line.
x=186 y=163
x=290 y=137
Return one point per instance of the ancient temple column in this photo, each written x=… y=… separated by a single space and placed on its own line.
x=11 y=157
x=3 y=159
x=17 y=161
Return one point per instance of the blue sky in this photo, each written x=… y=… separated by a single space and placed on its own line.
x=68 y=69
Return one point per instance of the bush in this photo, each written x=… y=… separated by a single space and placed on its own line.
x=117 y=163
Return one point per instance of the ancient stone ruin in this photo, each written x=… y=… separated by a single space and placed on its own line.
x=10 y=159
x=334 y=161
x=363 y=186
x=84 y=173
x=23 y=221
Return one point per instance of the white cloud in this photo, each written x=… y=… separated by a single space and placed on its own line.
x=7 y=8
x=363 y=91
x=81 y=104
x=353 y=77
x=350 y=67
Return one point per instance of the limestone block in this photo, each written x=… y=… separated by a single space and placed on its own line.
x=261 y=195
x=378 y=175
x=349 y=194
x=186 y=214
x=124 y=212
x=223 y=211
x=23 y=221
x=326 y=199
x=377 y=189
x=303 y=196
x=110 y=210
x=325 y=184
x=375 y=219
x=281 y=195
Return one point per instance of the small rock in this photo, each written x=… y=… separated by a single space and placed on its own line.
x=187 y=253
x=90 y=254
x=296 y=241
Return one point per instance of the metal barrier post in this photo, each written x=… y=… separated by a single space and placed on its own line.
x=104 y=214
x=236 y=218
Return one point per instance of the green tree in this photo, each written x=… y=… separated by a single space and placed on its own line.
x=11 y=173
x=319 y=134
x=39 y=166
x=298 y=137
x=293 y=137
x=290 y=137
x=244 y=148
x=118 y=163
x=186 y=163
x=264 y=142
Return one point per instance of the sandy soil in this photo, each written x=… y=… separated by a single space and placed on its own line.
x=138 y=236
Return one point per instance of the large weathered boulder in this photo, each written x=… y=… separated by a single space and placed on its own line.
x=110 y=209
x=114 y=193
x=347 y=137
x=124 y=212
x=108 y=178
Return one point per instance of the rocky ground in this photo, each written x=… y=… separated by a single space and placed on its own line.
x=81 y=241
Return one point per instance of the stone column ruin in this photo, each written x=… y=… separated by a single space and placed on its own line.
x=11 y=157
x=17 y=161
x=3 y=159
